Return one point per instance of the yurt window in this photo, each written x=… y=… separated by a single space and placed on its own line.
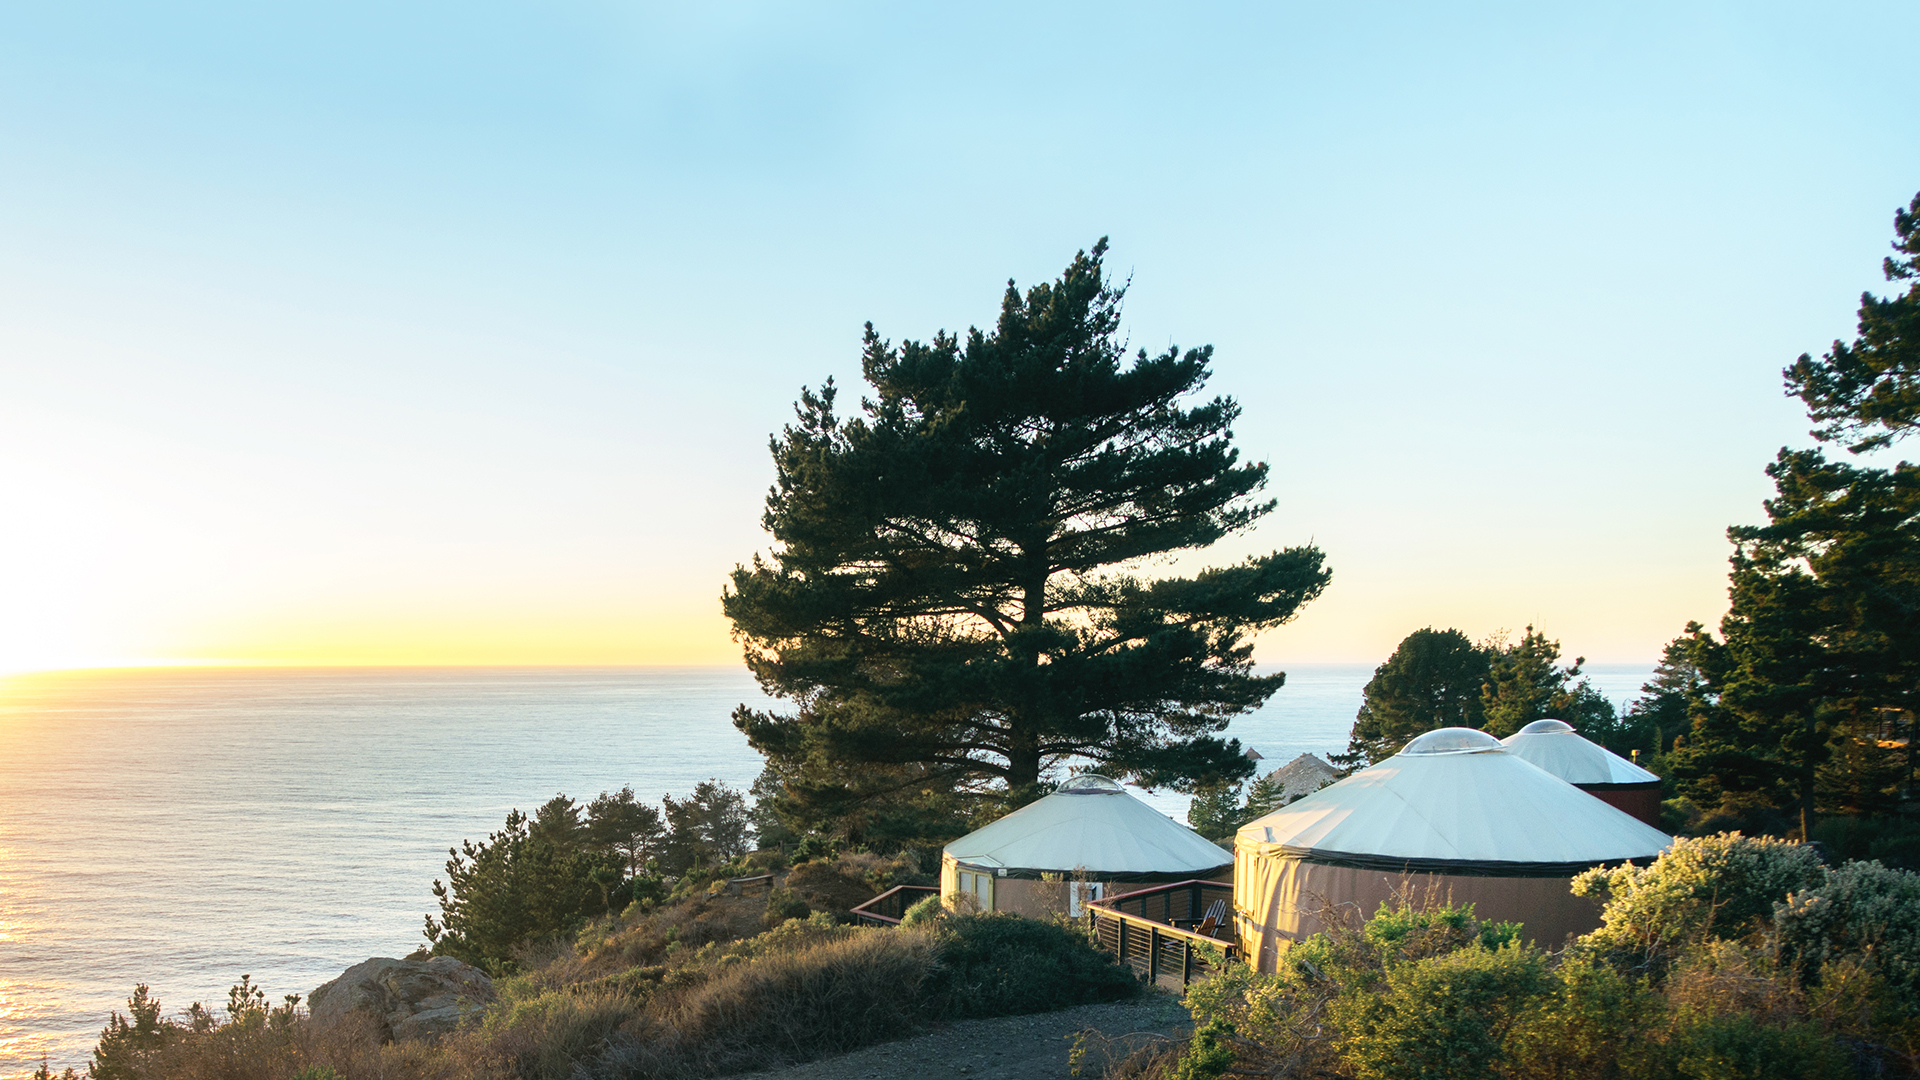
x=1079 y=892
x=979 y=886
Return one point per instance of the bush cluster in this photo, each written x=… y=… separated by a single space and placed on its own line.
x=693 y=989
x=1727 y=957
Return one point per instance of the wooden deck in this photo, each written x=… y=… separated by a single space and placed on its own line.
x=1150 y=930
x=889 y=907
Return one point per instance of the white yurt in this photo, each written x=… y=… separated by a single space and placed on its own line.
x=1087 y=840
x=1554 y=746
x=1453 y=815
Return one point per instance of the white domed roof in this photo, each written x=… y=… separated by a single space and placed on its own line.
x=1553 y=745
x=1455 y=800
x=1091 y=824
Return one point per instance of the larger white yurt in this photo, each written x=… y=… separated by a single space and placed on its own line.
x=1087 y=840
x=1452 y=815
x=1556 y=747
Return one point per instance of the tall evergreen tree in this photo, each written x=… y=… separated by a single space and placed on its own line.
x=1683 y=683
x=1822 y=631
x=1525 y=683
x=1432 y=680
x=1868 y=392
x=1822 y=635
x=954 y=602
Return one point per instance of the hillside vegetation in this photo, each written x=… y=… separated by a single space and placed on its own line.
x=687 y=990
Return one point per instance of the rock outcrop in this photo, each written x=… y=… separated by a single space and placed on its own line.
x=405 y=999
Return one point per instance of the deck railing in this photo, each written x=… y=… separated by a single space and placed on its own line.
x=1152 y=930
x=891 y=906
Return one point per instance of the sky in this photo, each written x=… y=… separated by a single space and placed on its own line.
x=394 y=333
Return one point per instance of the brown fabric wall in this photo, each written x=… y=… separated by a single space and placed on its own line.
x=1277 y=901
x=1641 y=802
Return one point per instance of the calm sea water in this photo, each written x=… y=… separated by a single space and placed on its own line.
x=183 y=827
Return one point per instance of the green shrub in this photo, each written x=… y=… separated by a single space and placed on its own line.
x=783 y=905
x=1739 y=1046
x=923 y=914
x=1441 y=1018
x=1861 y=910
x=1279 y=1021
x=999 y=964
x=1712 y=887
x=1595 y=1023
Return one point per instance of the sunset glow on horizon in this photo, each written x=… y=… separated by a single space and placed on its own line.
x=363 y=335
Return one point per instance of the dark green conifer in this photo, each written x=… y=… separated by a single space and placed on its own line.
x=1432 y=680
x=956 y=598
x=1869 y=392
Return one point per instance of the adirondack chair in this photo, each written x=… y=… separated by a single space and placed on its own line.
x=1211 y=922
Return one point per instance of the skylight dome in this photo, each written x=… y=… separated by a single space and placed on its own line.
x=1090 y=784
x=1453 y=740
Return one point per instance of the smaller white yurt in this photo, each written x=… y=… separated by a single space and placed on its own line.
x=1087 y=840
x=1454 y=816
x=1553 y=745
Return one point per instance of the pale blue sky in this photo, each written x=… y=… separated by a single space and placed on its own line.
x=454 y=332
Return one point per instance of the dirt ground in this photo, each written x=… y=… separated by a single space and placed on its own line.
x=1006 y=1048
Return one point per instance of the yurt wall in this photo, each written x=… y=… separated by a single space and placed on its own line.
x=1640 y=800
x=1281 y=900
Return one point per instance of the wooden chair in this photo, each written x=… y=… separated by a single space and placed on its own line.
x=1206 y=925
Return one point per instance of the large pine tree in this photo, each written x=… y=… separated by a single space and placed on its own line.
x=1822 y=635
x=957 y=600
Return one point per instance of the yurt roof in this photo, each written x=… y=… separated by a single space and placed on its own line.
x=1090 y=824
x=1556 y=747
x=1455 y=800
x=1303 y=776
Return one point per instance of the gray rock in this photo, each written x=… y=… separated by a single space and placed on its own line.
x=405 y=999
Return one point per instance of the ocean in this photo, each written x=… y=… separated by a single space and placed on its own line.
x=181 y=827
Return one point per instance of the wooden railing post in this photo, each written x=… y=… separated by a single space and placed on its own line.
x=1186 y=961
x=1122 y=948
x=1153 y=956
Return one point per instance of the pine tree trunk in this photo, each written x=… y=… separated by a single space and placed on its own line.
x=1023 y=762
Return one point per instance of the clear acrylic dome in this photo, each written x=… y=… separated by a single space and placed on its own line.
x=1089 y=784
x=1453 y=740
x=1547 y=727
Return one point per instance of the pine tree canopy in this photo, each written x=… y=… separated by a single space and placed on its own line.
x=1869 y=391
x=956 y=601
x=1821 y=650
x=1432 y=680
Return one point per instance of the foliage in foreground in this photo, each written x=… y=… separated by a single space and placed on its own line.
x=1728 y=957
x=682 y=991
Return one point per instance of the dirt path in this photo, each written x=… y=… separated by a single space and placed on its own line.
x=1007 y=1048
